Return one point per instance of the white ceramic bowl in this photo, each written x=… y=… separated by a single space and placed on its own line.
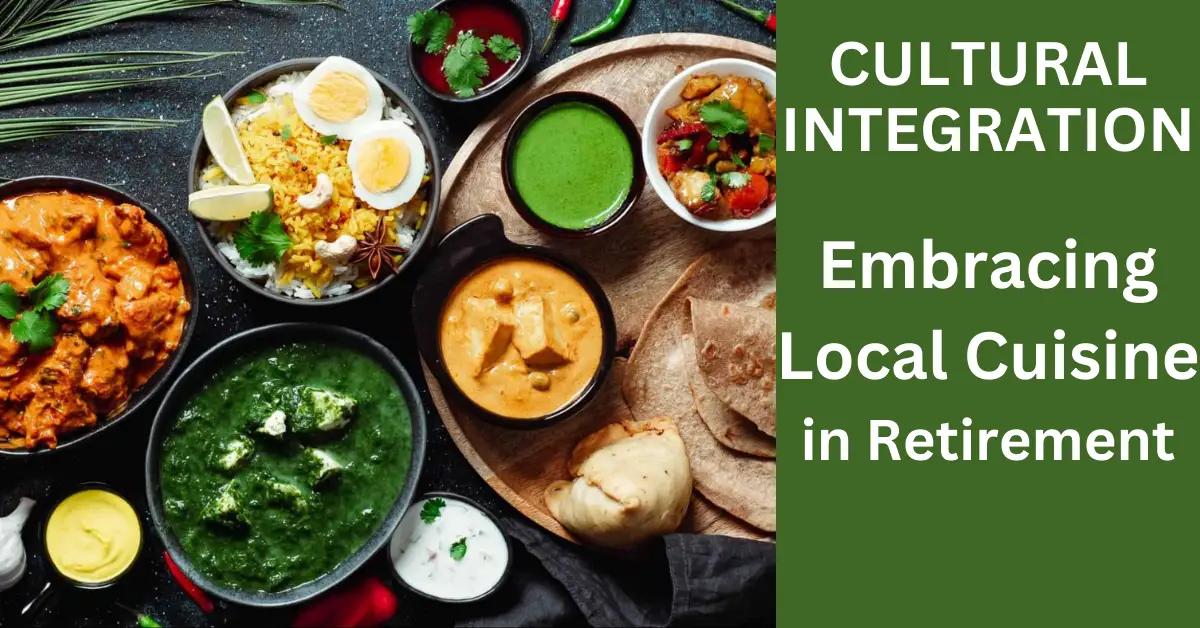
x=657 y=120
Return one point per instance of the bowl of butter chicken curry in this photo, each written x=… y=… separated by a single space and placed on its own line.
x=97 y=303
x=521 y=335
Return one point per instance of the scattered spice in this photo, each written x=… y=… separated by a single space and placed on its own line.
x=375 y=251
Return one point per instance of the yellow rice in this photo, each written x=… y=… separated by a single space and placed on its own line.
x=291 y=167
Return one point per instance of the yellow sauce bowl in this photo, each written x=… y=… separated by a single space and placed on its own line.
x=93 y=537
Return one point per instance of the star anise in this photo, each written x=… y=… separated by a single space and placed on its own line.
x=375 y=251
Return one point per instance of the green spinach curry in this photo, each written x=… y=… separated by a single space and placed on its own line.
x=284 y=464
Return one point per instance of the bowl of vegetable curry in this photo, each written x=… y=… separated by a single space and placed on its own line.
x=97 y=304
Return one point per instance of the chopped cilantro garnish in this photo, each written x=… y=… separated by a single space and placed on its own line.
x=735 y=179
x=286 y=132
x=50 y=293
x=430 y=29
x=10 y=301
x=329 y=139
x=256 y=97
x=714 y=145
x=766 y=143
x=464 y=65
x=737 y=161
x=505 y=49
x=722 y=118
x=459 y=549
x=708 y=193
x=35 y=328
x=432 y=509
x=684 y=144
x=261 y=240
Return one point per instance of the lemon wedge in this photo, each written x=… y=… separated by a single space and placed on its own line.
x=221 y=136
x=234 y=202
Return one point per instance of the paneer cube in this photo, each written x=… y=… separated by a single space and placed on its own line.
x=225 y=509
x=274 y=425
x=234 y=454
x=321 y=467
x=536 y=337
x=320 y=411
x=488 y=332
x=287 y=494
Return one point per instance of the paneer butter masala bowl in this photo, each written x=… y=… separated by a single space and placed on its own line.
x=314 y=180
x=97 y=303
x=711 y=132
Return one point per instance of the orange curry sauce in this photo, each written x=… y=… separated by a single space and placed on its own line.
x=123 y=317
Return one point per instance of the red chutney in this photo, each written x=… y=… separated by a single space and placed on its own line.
x=484 y=19
x=123 y=317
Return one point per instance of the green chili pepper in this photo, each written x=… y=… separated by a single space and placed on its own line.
x=607 y=26
x=143 y=620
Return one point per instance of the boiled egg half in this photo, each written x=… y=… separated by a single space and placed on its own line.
x=387 y=164
x=339 y=97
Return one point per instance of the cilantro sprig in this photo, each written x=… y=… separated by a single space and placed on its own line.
x=464 y=65
x=722 y=118
x=505 y=49
x=458 y=549
x=261 y=240
x=430 y=29
x=34 y=326
x=432 y=509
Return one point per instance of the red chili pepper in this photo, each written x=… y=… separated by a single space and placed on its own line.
x=558 y=14
x=198 y=596
x=766 y=18
x=679 y=131
x=366 y=602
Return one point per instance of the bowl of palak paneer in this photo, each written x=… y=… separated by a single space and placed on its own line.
x=282 y=459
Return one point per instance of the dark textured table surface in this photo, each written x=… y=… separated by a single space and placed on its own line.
x=151 y=166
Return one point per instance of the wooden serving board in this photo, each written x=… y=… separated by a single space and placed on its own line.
x=636 y=262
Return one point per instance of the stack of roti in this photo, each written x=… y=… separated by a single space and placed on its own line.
x=706 y=358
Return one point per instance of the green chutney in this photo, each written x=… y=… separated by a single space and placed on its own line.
x=281 y=527
x=573 y=166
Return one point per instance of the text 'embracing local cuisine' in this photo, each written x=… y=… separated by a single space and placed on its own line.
x=316 y=181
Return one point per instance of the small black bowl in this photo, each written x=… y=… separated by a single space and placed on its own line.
x=177 y=252
x=464 y=250
x=56 y=581
x=200 y=373
x=495 y=87
x=485 y=511
x=533 y=111
x=199 y=161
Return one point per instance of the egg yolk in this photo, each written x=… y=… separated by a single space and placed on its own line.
x=384 y=163
x=338 y=97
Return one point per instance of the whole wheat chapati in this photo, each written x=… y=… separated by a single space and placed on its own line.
x=735 y=351
x=730 y=428
x=656 y=382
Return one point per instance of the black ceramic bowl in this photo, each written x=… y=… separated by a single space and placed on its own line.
x=489 y=515
x=510 y=146
x=199 y=161
x=178 y=253
x=464 y=250
x=200 y=373
x=495 y=87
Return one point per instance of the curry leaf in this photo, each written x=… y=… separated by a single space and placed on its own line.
x=256 y=98
x=36 y=329
x=286 y=132
x=464 y=65
x=766 y=143
x=10 y=301
x=722 y=118
x=430 y=29
x=432 y=509
x=459 y=549
x=329 y=139
x=50 y=293
x=262 y=240
x=505 y=49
